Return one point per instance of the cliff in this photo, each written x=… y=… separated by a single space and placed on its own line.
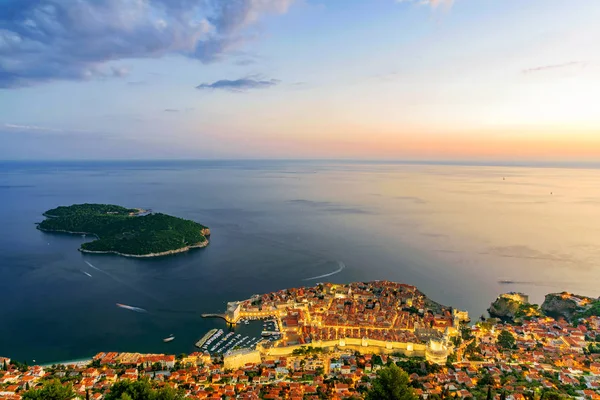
x=504 y=308
x=513 y=307
x=570 y=306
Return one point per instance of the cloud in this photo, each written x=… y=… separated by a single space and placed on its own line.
x=17 y=127
x=245 y=61
x=238 y=85
x=119 y=72
x=37 y=130
x=554 y=67
x=177 y=110
x=46 y=40
x=432 y=3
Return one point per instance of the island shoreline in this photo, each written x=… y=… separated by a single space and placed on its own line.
x=161 y=254
x=204 y=234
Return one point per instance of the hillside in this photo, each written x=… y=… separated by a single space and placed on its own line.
x=570 y=306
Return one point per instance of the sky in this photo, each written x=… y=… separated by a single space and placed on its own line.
x=349 y=79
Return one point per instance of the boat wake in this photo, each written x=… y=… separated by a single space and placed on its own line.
x=87 y=273
x=123 y=283
x=91 y=266
x=337 y=271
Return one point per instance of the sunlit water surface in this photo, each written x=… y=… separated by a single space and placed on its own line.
x=453 y=231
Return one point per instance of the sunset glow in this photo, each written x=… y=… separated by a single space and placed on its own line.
x=315 y=79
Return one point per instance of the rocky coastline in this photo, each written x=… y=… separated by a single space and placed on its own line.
x=161 y=254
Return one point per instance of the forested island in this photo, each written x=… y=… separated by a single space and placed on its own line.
x=130 y=232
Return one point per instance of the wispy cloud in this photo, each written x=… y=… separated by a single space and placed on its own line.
x=177 y=110
x=37 y=129
x=554 y=67
x=432 y=3
x=119 y=72
x=17 y=127
x=238 y=85
x=245 y=61
x=48 y=40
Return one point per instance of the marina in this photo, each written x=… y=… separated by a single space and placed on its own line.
x=219 y=341
x=207 y=336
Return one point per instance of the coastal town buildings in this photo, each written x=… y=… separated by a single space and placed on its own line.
x=335 y=339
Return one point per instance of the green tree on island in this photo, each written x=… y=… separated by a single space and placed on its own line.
x=392 y=383
x=506 y=340
x=52 y=390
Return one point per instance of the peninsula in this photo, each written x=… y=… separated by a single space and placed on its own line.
x=341 y=341
x=129 y=232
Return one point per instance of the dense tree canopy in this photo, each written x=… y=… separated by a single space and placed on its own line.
x=120 y=230
x=141 y=390
x=506 y=340
x=52 y=390
x=392 y=383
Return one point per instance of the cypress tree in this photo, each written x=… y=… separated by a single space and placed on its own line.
x=489 y=393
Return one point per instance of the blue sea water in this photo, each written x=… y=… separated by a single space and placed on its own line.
x=276 y=224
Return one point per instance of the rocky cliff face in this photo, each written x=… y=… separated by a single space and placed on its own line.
x=504 y=308
x=556 y=306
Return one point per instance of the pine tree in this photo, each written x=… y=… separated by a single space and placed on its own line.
x=392 y=383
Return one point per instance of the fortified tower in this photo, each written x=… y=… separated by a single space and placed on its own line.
x=518 y=297
x=233 y=312
x=436 y=352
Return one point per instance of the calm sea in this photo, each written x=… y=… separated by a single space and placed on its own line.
x=451 y=230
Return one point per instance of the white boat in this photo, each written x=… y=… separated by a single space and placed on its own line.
x=168 y=339
x=131 y=308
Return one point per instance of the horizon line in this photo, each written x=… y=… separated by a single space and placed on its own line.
x=441 y=162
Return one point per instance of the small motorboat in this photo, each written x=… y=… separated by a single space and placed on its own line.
x=131 y=308
x=168 y=339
